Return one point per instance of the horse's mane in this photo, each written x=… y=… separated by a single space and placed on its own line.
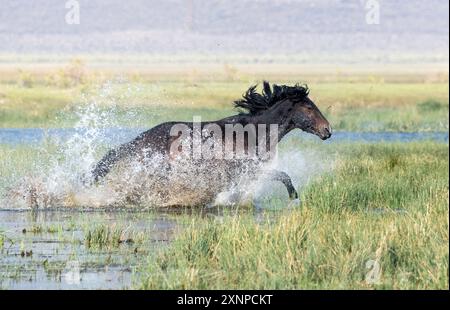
x=254 y=103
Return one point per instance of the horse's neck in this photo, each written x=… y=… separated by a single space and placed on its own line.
x=278 y=115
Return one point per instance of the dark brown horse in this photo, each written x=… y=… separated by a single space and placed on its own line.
x=286 y=107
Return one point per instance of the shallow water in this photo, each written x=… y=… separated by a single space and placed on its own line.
x=116 y=135
x=47 y=249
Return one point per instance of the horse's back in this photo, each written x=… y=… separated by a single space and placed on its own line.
x=155 y=139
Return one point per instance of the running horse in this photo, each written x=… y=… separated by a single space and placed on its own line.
x=286 y=107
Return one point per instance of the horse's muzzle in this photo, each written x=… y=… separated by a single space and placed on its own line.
x=325 y=133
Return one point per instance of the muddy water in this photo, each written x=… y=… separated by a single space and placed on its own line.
x=48 y=249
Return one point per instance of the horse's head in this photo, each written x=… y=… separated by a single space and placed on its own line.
x=291 y=104
x=307 y=117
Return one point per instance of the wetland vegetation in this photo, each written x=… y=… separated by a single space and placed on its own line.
x=376 y=218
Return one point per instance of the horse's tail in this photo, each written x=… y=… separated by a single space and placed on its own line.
x=107 y=162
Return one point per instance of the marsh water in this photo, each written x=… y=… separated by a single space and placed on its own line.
x=119 y=135
x=49 y=249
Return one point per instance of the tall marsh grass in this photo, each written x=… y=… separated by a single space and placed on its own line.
x=384 y=206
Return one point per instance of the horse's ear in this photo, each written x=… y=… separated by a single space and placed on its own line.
x=267 y=89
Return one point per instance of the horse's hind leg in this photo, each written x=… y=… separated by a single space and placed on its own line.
x=111 y=158
x=284 y=178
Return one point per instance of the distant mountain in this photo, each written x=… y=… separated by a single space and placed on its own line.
x=225 y=26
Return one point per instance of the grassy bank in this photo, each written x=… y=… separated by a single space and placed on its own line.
x=380 y=101
x=380 y=220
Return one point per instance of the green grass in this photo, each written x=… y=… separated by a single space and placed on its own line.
x=16 y=162
x=40 y=229
x=49 y=98
x=110 y=236
x=2 y=240
x=103 y=236
x=31 y=107
x=383 y=203
x=384 y=176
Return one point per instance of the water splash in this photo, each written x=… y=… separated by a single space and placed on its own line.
x=301 y=165
x=61 y=180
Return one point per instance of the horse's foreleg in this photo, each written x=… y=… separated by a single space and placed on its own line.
x=284 y=178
